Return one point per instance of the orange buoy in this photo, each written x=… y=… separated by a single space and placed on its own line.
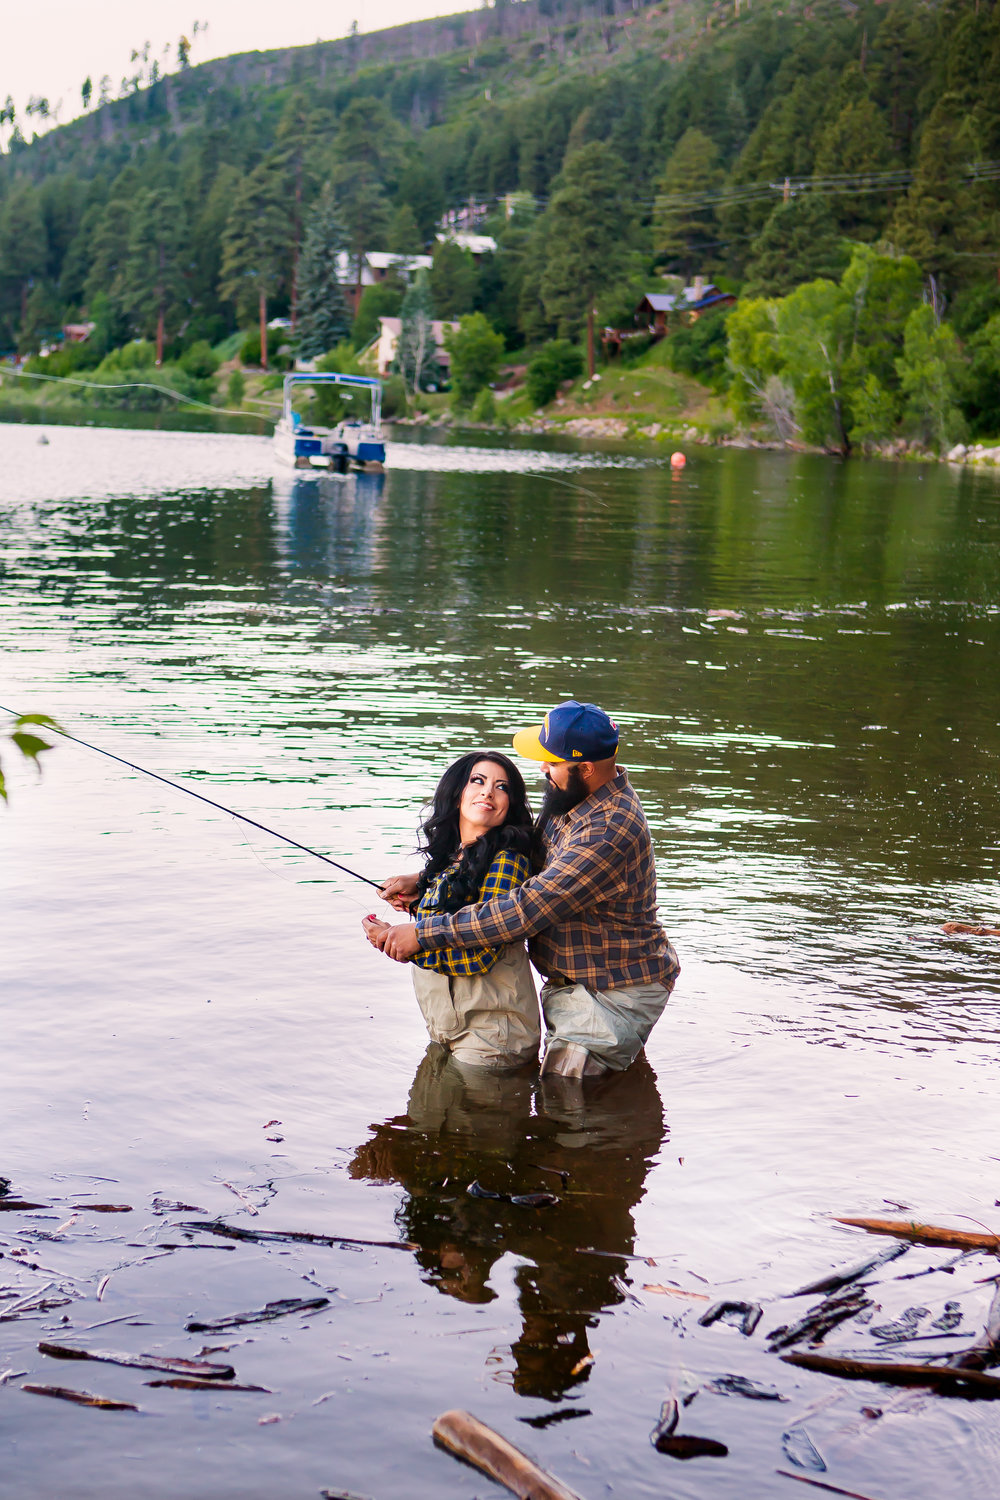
x=677 y=460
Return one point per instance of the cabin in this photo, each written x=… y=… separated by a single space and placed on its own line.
x=477 y=245
x=658 y=309
x=389 y=330
x=662 y=313
x=375 y=267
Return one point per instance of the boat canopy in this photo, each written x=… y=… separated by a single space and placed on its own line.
x=332 y=377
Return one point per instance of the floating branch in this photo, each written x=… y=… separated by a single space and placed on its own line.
x=291 y=1236
x=81 y=1398
x=837 y=1279
x=986 y=1350
x=470 y=1439
x=942 y=1377
x=926 y=1234
x=266 y=1313
x=200 y=1368
x=745 y=1315
x=187 y=1383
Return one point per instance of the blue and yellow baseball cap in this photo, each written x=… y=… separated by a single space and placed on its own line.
x=571 y=731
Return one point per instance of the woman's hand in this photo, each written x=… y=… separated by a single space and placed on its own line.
x=400 y=891
x=374 y=929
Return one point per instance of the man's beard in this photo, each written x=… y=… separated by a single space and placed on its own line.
x=559 y=800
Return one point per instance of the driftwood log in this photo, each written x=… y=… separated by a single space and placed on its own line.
x=197 y=1369
x=940 y=1377
x=471 y=1440
x=290 y=1236
x=79 y=1398
x=927 y=1234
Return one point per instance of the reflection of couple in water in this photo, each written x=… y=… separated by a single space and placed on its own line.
x=580 y=887
x=513 y=1133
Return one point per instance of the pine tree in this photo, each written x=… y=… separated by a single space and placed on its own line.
x=684 y=230
x=255 y=246
x=798 y=243
x=587 y=239
x=23 y=248
x=403 y=237
x=416 y=352
x=937 y=217
x=151 y=285
x=324 y=319
x=453 y=280
x=302 y=131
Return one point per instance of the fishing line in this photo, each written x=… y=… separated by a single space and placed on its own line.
x=139 y=385
x=346 y=895
x=179 y=787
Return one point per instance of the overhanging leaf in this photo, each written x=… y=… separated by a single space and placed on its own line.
x=30 y=745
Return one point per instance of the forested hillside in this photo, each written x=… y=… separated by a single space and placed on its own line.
x=607 y=140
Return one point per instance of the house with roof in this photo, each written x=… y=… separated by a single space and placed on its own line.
x=375 y=267
x=658 y=309
x=389 y=330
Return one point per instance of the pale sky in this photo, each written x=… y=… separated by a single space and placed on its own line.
x=50 y=46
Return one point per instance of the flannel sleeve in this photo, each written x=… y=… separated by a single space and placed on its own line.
x=574 y=880
x=506 y=872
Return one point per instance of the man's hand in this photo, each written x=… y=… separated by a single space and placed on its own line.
x=400 y=891
x=399 y=942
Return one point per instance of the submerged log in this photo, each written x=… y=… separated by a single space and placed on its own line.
x=926 y=1234
x=986 y=1350
x=836 y=1279
x=290 y=1236
x=80 y=1398
x=187 y=1383
x=469 y=1439
x=201 y=1368
x=941 y=1377
x=271 y=1310
x=744 y=1315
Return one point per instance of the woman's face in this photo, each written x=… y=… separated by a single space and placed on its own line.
x=485 y=800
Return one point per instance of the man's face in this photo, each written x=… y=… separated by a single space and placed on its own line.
x=565 y=788
x=558 y=773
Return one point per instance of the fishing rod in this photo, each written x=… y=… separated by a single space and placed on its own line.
x=179 y=787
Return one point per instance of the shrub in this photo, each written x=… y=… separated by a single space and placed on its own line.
x=476 y=350
x=236 y=389
x=557 y=361
x=484 y=408
x=250 y=348
x=200 y=360
x=699 y=349
x=394 y=399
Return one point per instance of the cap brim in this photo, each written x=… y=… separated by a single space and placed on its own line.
x=527 y=743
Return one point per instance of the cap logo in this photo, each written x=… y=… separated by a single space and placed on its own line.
x=577 y=754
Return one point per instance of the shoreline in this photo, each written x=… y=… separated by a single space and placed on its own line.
x=618 y=429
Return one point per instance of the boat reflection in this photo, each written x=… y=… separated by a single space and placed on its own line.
x=326 y=521
x=513 y=1134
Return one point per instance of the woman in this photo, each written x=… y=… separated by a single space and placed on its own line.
x=479 y=1003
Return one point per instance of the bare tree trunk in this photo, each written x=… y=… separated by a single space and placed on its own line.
x=159 y=337
x=263 y=329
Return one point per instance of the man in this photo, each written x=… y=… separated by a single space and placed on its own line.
x=589 y=915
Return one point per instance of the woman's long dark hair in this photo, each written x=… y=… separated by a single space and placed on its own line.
x=441 y=840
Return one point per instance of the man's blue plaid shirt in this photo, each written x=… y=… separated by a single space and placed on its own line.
x=505 y=874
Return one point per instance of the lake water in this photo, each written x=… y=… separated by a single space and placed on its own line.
x=801 y=655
